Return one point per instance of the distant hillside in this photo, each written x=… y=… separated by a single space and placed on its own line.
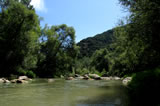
x=89 y=45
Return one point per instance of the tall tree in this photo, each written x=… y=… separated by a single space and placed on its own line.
x=143 y=30
x=19 y=28
x=59 y=50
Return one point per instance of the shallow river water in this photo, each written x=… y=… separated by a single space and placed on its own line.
x=40 y=92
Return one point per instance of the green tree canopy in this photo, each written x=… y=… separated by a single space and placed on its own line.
x=58 y=49
x=19 y=28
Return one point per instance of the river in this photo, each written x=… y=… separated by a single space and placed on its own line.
x=60 y=92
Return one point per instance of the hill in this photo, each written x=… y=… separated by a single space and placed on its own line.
x=89 y=45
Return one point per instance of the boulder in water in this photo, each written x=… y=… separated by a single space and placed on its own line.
x=126 y=80
x=69 y=78
x=116 y=78
x=94 y=76
x=80 y=77
x=14 y=81
x=23 y=78
x=51 y=80
x=86 y=77
x=1 y=80
x=6 y=81
x=77 y=75
x=105 y=78
x=21 y=81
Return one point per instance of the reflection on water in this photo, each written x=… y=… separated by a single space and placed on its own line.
x=63 y=93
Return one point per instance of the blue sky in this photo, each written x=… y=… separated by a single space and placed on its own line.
x=88 y=17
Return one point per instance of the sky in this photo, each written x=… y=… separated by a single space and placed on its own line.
x=88 y=17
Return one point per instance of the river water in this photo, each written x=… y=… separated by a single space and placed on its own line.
x=60 y=92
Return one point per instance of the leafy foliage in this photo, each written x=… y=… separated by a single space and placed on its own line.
x=19 y=31
x=59 y=51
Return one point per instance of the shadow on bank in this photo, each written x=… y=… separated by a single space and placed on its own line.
x=144 y=89
x=115 y=95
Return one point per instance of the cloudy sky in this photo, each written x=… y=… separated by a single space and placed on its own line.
x=88 y=17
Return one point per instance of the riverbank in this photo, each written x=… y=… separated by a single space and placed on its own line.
x=25 y=79
x=20 y=79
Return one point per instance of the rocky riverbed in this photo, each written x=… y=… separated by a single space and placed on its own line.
x=25 y=79
x=20 y=79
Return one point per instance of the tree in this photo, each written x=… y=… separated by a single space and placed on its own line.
x=19 y=28
x=6 y=3
x=143 y=30
x=100 y=60
x=59 y=50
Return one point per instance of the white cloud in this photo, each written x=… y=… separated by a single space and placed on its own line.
x=39 y=5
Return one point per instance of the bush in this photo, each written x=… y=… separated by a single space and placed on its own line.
x=82 y=71
x=30 y=74
x=21 y=71
x=144 y=89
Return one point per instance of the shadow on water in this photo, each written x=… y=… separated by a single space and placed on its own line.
x=113 y=94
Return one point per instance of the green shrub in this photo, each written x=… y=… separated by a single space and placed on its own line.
x=144 y=89
x=30 y=74
x=21 y=71
x=82 y=71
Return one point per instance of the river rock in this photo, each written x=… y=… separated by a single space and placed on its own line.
x=77 y=75
x=116 y=78
x=21 y=81
x=69 y=78
x=23 y=78
x=14 y=81
x=6 y=81
x=86 y=77
x=105 y=78
x=51 y=80
x=80 y=77
x=94 y=76
x=126 y=80
x=1 y=80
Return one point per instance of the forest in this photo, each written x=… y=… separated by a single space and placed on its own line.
x=130 y=49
